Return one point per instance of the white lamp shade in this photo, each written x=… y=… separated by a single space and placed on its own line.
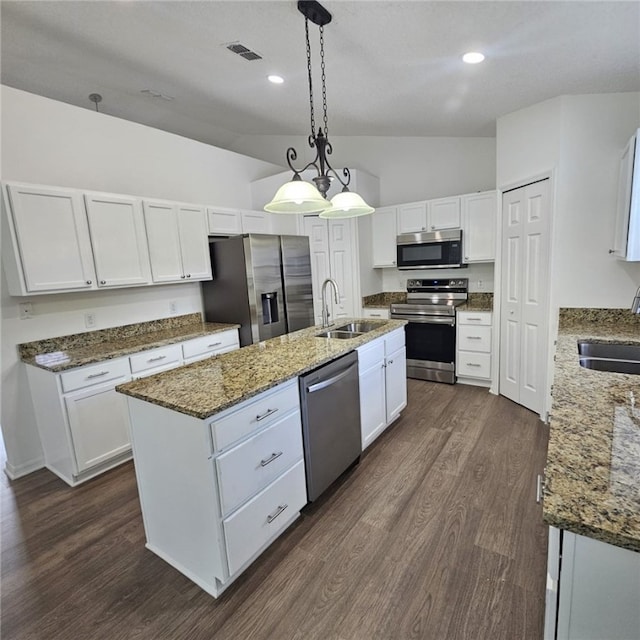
x=347 y=204
x=297 y=196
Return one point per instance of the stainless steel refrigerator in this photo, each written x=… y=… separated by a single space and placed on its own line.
x=261 y=282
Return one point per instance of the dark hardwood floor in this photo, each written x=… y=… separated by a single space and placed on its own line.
x=436 y=534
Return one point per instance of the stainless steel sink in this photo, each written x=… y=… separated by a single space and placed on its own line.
x=605 y=350
x=616 y=358
x=339 y=334
x=358 y=327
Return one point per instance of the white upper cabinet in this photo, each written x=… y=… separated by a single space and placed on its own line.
x=224 y=222
x=429 y=215
x=384 y=232
x=479 y=217
x=256 y=222
x=118 y=238
x=46 y=247
x=412 y=217
x=444 y=213
x=178 y=245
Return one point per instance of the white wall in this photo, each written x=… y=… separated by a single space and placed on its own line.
x=49 y=142
x=408 y=168
x=580 y=139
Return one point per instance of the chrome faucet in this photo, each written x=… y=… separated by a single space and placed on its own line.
x=635 y=305
x=325 y=306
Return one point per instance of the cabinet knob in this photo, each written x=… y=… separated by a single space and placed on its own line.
x=88 y=281
x=103 y=282
x=183 y=276
x=612 y=250
x=433 y=226
x=188 y=275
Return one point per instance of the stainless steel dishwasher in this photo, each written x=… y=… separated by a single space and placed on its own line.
x=330 y=398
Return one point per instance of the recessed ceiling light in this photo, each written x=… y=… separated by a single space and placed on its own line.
x=275 y=79
x=473 y=57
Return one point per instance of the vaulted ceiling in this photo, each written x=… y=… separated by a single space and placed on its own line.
x=393 y=68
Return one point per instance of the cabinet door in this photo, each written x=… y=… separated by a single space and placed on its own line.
x=373 y=410
x=52 y=237
x=256 y=222
x=625 y=182
x=412 y=217
x=396 y=383
x=444 y=213
x=342 y=270
x=116 y=224
x=99 y=425
x=164 y=242
x=224 y=222
x=194 y=243
x=385 y=230
x=479 y=217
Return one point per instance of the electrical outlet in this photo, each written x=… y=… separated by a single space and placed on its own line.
x=173 y=307
x=480 y=285
x=90 y=319
x=26 y=310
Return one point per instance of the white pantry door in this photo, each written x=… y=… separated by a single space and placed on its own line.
x=525 y=276
x=317 y=230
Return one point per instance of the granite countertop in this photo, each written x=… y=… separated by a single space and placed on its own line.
x=76 y=350
x=592 y=477
x=205 y=388
x=478 y=302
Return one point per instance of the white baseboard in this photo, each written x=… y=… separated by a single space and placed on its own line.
x=15 y=472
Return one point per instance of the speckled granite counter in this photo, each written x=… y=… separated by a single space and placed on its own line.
x=67 y=352
x=478 y=302
x=592 y=477
x=204 y=388
x=384 y=299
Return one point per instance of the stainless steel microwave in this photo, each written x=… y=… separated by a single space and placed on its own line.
x=433 y=250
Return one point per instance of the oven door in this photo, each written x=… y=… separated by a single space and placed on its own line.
x=440 y=250
x=431 y=347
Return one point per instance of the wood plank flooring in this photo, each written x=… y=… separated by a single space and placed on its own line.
x=435 y=535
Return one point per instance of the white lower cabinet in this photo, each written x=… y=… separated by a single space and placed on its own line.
x=83 y=422
x=592 y=589
x=383 y=383
x=216 y=492
x=473 y=347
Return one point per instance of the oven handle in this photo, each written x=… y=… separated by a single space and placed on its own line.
x=425 y=319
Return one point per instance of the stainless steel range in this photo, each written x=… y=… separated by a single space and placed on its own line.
x=431 y=330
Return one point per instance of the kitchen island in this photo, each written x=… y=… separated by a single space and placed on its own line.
x=218 y=450
x=592 y=486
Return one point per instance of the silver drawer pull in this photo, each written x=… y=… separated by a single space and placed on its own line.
x=472 y=364
x=539 y=485
x=278 y=511
x=474 y=319
x=474 y=337
x=215 y=344
x=270 y=459
x=97 y=375
x=375 y=315
x=266 y=414
x=156 y=358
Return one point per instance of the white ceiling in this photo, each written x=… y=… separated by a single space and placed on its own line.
x=393 y=68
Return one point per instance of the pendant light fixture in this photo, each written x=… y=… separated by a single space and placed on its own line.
x=298 y=195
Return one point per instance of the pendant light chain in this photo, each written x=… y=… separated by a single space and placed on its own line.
x=313 y=121
x=324 y=83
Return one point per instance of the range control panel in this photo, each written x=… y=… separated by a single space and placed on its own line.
x=441 y=283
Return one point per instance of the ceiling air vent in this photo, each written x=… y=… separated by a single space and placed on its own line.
x=241 y=50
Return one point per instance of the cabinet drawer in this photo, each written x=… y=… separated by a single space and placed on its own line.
x=156 y=358
x=470 y=317
x=474 y=365
x=382 y=313
x=474 y=338
x=394 y=341
x=254 y=414
x=210 y=344
x=256 y=462
x=95 y=374
x=262 y=518
x=370 y=354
